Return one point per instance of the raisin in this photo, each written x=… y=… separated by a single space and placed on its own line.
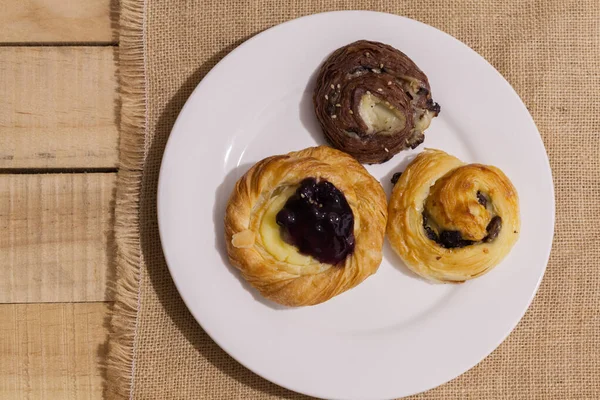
x=493 y=229
x=430 y=233
x=481 y=199
x=432 y=106
x=453 y=239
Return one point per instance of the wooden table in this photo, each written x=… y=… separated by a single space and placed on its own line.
x=58 y=163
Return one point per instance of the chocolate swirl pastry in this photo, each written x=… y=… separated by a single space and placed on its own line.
x=306 y=226
x=451 y=221
x=372 y=101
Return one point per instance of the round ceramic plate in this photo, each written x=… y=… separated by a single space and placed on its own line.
x=395 y=334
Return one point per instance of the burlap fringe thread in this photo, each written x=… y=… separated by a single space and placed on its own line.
x=121 y=351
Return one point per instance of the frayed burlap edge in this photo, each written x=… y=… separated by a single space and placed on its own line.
x=121 y=348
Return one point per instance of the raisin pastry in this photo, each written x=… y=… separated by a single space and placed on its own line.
x=372 y=101
x=306 y=226
x=450 y=221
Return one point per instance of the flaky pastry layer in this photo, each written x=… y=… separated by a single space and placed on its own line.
x=454 y=203
x=306 y=284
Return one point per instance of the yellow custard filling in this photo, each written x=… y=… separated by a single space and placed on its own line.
x=270 y=232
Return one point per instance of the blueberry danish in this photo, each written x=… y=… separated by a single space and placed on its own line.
x=372 y=101
x=450 y=221
x=306 y=226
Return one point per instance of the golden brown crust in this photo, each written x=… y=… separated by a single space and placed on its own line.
x=453 y=186
x=377 y=69
x=294 y=285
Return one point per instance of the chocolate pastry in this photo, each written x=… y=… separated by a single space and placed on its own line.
x=306 y=226
x=450 y=221
x=372 y=101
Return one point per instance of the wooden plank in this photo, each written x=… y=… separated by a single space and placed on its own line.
x=58 y=107
x=56 y=243
x=56 y=21
x=52 y=351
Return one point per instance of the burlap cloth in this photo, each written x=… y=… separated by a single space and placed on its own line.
x=548 y=50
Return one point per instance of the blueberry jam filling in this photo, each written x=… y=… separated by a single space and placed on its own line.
x=318 y=221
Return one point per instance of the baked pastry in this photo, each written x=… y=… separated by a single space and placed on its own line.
x=451 y=221
x=372 y=101
x=306 y=226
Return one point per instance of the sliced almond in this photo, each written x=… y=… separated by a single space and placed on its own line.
x=244 y=239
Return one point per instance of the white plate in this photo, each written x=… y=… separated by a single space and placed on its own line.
x=395 y=334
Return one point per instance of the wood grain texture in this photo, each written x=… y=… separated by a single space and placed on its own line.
x=56 y=243
x=52 y=351
x=55 y=21
x=58 y=107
